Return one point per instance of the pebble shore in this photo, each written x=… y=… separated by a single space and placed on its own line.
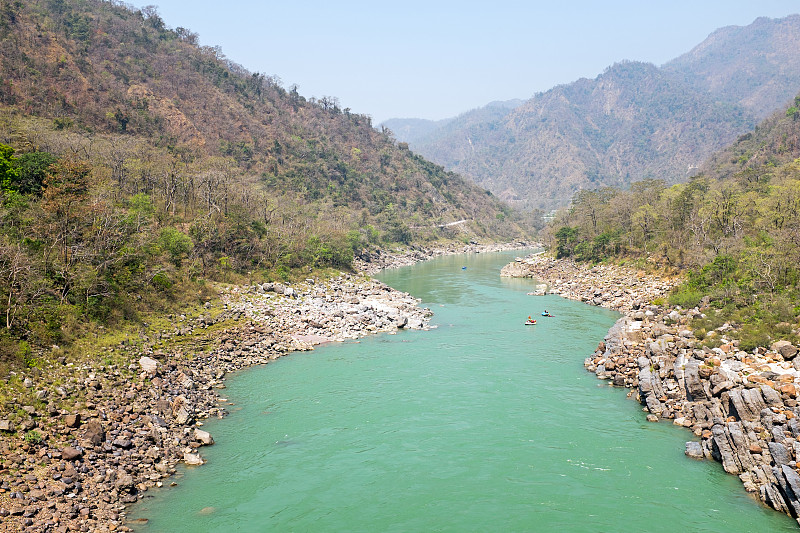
x=741 y=406
x=102 y=433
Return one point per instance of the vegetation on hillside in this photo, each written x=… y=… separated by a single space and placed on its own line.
x=735 y=230
x=635 y=121
x=135 y=165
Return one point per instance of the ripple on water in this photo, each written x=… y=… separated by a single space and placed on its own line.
x=479 y=425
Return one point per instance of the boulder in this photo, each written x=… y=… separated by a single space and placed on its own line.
x=779 y=453
x=125 y=482
x=787 y=350
x=789 y=481
x=203 y=436
x=94 y=432
x=72 y=421
x=149 y=365
x=694 y=385
x=730 y=447
x=694 y=450
x=744 y=404
x=182 y=417
x=71 y=454
x=192 y=459
x=6 y=425
x=125 y=444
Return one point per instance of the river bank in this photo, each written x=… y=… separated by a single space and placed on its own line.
x=742 y=406
x=101 y=433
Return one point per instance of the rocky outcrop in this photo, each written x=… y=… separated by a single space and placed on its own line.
x=741 y=406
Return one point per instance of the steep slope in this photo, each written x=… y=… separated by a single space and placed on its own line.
x=410 y=130
x=631 y=122
x=756 y=66
x=634 y=121
x=136 y=166
x=774 y=143
x=95 y=67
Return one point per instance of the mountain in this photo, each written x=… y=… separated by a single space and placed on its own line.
x=755 y=66
x=411 y=130
x=94 y=68
x=136 y=167
x=634 y=121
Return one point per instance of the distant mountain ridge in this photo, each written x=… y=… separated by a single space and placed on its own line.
x=634 y=121
x=412 y=129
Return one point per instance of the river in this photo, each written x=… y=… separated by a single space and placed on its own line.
x=481 y=424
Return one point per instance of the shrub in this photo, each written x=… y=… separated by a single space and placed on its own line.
x=686 y=297
x=176 y=243
x=33 y=437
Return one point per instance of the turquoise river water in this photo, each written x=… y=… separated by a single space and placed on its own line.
x=482 y=424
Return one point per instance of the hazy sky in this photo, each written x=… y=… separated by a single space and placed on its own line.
x=435 y=59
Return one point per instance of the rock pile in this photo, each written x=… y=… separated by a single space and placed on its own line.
x=742 y=406
x=129 y=424
x=601 y=285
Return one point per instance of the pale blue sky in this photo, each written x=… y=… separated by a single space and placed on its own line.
x=435 y=59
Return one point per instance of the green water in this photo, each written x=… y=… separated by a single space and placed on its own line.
x=482 y=424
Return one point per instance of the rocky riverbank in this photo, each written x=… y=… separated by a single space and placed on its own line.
x=375 y=261
x=742 y=406
x=102 y=433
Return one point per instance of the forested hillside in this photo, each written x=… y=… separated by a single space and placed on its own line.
x=735 y=228
x=634 y=121
x=135 y=164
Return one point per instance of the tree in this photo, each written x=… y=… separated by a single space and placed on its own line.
x=64 y=198
x=9 y=172
x=566 y=240
x=32 y=170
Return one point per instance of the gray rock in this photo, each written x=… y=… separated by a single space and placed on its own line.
x=192 y=459
x=203 y=436
x=125 y=482
x=694 y=449
x=125 y=444
x=148 y=365
x=730 y=447
x=780 y=455
x=786 y=349
x=703 y=415
x=771 y=396
x=721 y=387
x=745 y=404
x=694 y=385
x=6 y=425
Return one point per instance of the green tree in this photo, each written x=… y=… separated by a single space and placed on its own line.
x=32 y=168
x=176 y=243
x=566 y=240
x=9 y=170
